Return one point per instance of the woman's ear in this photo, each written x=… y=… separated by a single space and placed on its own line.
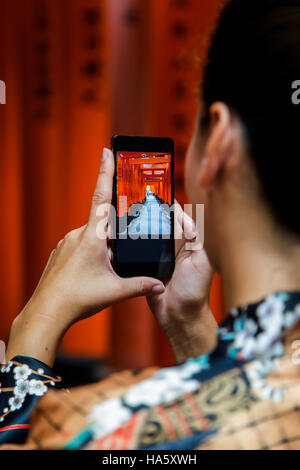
x=219 y=144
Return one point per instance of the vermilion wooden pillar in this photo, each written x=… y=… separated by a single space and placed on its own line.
x=11 y=200
x=42 y=133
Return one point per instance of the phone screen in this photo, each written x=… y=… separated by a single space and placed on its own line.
x=145 y=212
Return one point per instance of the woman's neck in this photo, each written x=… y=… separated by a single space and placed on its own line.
x=257 y=264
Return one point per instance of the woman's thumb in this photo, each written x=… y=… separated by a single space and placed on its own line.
x=140 y=286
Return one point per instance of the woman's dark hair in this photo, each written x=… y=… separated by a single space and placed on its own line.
x=253 y=59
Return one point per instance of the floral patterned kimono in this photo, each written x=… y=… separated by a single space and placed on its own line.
x=242 y=396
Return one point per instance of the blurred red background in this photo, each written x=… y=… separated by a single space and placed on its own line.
x=77 y=72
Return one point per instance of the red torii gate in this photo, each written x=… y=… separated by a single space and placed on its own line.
x=138 y=171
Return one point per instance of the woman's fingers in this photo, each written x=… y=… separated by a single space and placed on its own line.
x=189 y=228
x=178 y=227
x=140 y=286
x=103 y=190
x=185 y=228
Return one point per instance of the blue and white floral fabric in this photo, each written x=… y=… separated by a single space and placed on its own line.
x=258 y=330
x=23 y=381
x=250 y=344
x=251 y=334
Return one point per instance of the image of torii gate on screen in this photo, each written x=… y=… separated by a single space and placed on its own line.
x=144 y=193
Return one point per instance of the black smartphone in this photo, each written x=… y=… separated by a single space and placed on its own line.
x=143 y=200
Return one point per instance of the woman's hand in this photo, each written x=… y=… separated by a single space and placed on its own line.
x=183 y=311
x=78 y=282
